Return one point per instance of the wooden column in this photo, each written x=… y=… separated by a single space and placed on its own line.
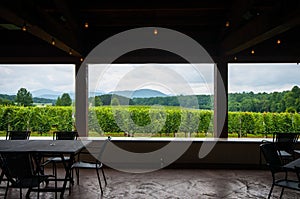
x=81 y=99
x=220 y=99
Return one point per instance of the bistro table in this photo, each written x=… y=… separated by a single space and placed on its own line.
x=54 y=147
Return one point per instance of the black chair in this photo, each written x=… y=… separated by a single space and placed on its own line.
x=20 y=172
x=18 y=135
x=60 y=135
x=275 y=164
x=286 y=144
x=79 y=164
x=15 y=135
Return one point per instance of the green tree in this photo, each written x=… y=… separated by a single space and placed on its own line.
x=98 y=101
x=58 y=102
x=115 y=101
x=24 y=97
x=65 y=100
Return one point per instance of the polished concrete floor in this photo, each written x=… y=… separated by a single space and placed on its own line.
x=172 y=183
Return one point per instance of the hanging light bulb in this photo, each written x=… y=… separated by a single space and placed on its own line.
x=70 y=52
x=86 y=24
x=53 y=41
x=81 y=59
x=227 y=24
x=24 y=27
x=252 y=52
x=155 y=32
x=278 y=41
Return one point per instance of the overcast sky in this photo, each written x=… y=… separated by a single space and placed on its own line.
x=34 y=77
x=171 y=79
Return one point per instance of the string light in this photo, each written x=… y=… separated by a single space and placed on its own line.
x=53 y=41
x=70 y=52
x=86 y=24
x=24 y=27
x=252 y=52
x=81 y=59
x=278 y=41
x=227 y=24
x=235 y=58
x=155 y=32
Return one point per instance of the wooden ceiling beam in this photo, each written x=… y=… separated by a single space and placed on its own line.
x=261 y=28
x=35 y=30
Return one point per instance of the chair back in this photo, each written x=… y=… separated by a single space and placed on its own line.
x=271 y=156
x=285 y=141
x=17 y=166
x=65 y=135
x=18 y=135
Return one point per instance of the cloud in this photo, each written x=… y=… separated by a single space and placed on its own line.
x=35 y=76
x=168 y=78
x=263 y=77
x=173 y=79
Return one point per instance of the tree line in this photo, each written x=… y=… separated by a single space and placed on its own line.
x=286 y=101
x=277 y=102
x=24 y=98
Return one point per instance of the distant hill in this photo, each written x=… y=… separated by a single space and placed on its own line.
x=141 y=93
x=46 y=93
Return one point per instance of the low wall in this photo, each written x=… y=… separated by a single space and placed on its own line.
x=228 y=153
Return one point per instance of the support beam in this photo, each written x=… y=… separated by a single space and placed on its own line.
x=220 y=100
x=258 y=30
x=81 y=100
x=38 y=32
x=39 y=60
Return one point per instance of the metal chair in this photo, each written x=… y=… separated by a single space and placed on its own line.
x=79 y=164
x=285 y=144
x=15 y=135
x=18 y=135
x=275 y=164
x=20 y=172
x=59 y=135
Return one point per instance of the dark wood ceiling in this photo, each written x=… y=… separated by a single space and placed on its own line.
x=253 y=24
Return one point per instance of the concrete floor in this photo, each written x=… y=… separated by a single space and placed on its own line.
x=172 y=183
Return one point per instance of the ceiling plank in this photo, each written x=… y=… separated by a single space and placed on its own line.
x=38 y=32
x=258 y=30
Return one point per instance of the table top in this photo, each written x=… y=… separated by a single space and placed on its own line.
x=43 y=146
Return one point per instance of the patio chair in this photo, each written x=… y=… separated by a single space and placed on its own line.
x=60 y=135
x=20 y=172
x=79 y=164
x=285 y=144
x=18 y=135
x=15 y=135
x=274 y=163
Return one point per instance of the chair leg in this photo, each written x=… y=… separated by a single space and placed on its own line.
x=28 y=193
x=281 y=192
x=77 y=175
x=104 y=176
x=99 y=181
x=271 y=191
x=6 y=190
x=55 y=178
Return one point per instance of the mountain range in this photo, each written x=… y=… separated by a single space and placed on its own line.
x=141 y=93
